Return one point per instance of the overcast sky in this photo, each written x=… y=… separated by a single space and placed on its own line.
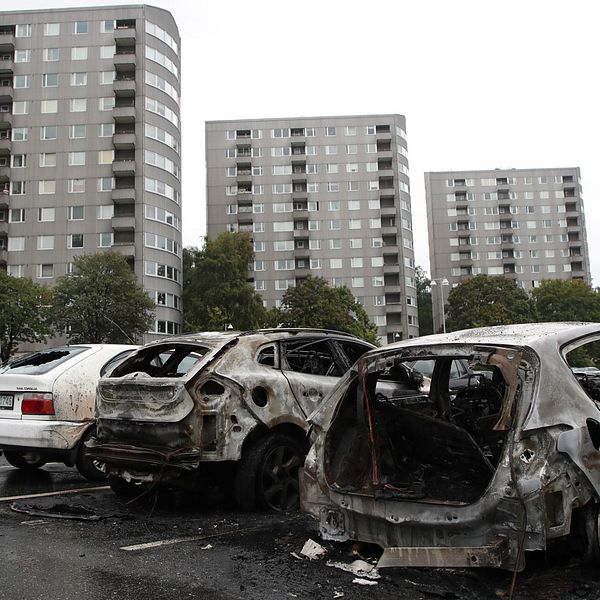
x=483 y=84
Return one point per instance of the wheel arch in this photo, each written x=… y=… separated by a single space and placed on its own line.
x=290 y=429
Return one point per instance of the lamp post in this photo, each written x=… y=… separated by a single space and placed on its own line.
x=442 y=282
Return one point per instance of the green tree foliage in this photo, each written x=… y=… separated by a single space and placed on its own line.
x=101 y=301
x=566 y=300
x=313 y=303
x=483 y=301
x=216 y=292
x=424 y=302
x=25 y=314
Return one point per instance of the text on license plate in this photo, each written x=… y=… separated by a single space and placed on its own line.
x=6 y=401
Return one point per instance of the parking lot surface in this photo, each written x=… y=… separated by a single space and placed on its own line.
x=63 y=537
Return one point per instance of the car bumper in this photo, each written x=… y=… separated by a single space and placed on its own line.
x=52 y=435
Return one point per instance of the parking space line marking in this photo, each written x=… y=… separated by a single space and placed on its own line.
x=57 y=493
x=190 y=538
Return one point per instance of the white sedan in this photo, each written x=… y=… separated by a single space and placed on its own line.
x=47 y=405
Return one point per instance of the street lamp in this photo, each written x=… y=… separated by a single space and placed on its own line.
x=442 y=283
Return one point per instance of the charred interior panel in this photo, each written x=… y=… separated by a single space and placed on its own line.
x=404 y=443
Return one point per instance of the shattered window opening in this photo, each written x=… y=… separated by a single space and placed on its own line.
x=39 y=363
x=313 y=357
x=401 y=435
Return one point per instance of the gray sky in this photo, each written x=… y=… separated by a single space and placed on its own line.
x=483 y=84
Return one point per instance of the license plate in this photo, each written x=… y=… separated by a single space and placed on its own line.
x=6 y=401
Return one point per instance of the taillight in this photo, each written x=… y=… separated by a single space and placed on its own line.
x=37 y=404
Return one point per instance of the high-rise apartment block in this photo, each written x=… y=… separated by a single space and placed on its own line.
x=525 y=224
x=90 y=145
x=323 y=196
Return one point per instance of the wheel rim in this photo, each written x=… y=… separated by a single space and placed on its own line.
x=279 y=481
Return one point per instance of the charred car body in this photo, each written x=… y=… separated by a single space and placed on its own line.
x=473 y=476
x=178 y=407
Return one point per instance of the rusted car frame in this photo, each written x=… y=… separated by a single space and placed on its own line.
x=236 y=401
x=472 y=478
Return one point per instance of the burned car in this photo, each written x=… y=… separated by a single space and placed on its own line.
x=474 y=476
x=236 y=402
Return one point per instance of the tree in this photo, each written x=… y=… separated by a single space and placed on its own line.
x=216 y=292
x=25 y=314
x=313 y=303
x=483 y=300
x=424 y=302
x=566 y=300
x=101 y=301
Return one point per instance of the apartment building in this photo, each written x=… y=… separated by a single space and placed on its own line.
x=525 y=224
x=90 y=145
x=325 y=196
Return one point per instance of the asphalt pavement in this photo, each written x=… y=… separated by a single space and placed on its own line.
x=63 y=538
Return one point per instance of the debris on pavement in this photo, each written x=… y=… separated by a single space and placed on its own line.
x=362 y=581
x=312 y=550
x=360 y=568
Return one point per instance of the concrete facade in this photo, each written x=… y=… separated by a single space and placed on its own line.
x=325 y=196
x=526 y=224
x=90 y=145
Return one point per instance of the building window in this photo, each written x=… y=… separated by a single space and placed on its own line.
x=21 y=81
x=107 y=77
x=23 y=30
x=16 y=215
x=356 y=243
x=45 y=242
x=22 y=56
x=18 y=161
x=15 y=244
x=356 y=262
x=76 y=159
x=75 y=240
x=330 y=150
x=50 y=54
x=78 y=79
x=79 y=53
x=47 y=187
x=78 y=104
x=353 y=186
x=107 y=51
x=16 y=270
x=77 y=132
x=48 y=132
x=17 y=188
x=80 y=27
x=354 y=224
x=49 y=106
x=76 y=186
x=105 y=157
x=45 y=271
x=106 y=103
x=46 y=214
x=350 y=130
x=20 y=108
x=358 y=282
x=75 y=213
x=51 y=29
x=106 y=129
x=105 y=211
x=106 y=184
x=105 y=240
x=351 y=149
x=50 y=80
x=48 y=159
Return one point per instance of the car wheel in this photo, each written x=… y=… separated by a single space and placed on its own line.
x=27 y=461
x=267 y=475
x=91 y=469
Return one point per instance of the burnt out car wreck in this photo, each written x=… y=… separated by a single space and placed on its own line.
x=476 y=475
x=182 y=411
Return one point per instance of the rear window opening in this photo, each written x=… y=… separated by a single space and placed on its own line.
x=168 y=360
x=583 y=361
x=39 y=363
x=433 y=436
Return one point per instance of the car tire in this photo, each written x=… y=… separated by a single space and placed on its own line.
x=267 y=474
x=89 y=468
x=27 y=461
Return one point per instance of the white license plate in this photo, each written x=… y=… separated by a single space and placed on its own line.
x=6 y=401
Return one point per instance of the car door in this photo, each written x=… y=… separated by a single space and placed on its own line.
x=312 y=367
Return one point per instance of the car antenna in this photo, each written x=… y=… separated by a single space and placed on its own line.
x=120 y=329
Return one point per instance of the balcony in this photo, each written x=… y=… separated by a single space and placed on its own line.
x=3 y=256
x=124 y=141
x=393 y=308
x=3 y=229
x=7 y=39
x=123 y=167
x=123 y=223
x=5 y=120
x=7 y=66
x=124 y=195
x=126 y=249
x=125 y=35
x=124 y=114
x=124 y=60
x=6 y=92
x=300 y=234
x=124 y=87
